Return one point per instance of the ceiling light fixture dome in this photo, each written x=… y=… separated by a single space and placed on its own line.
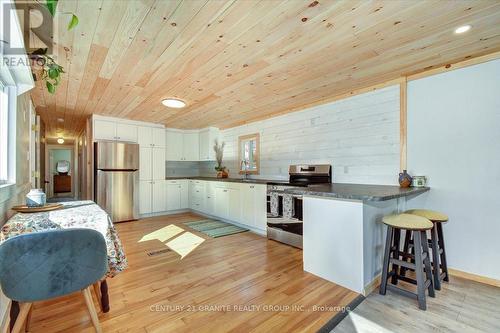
x=60 y=140
x=462 y=29
x=173 y=103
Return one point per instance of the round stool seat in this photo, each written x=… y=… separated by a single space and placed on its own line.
x=407 y=222
x=429 y=214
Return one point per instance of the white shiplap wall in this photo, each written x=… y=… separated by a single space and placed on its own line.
x=359 y=136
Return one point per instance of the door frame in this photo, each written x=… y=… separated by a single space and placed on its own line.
x=73 y=169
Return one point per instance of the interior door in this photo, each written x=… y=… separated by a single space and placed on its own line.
x=40 y=154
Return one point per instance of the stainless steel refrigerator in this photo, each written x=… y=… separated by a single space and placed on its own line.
x=116 y=188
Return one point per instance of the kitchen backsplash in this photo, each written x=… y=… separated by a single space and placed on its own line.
x=190 y=169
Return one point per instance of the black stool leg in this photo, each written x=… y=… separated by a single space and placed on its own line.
x=419 y=270
x=406 y=251
x=427 y=264
x=435 y=257
x=385 y=268
x=395 y=255
x=444 y=264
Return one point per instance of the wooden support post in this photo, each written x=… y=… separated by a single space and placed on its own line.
x=403 y=124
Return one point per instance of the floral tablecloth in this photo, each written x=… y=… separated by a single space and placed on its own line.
x=74 y=214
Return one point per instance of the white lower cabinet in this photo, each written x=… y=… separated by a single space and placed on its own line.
x=177 y=194
x=253 y=206
x=152 y=195
x=241 y=203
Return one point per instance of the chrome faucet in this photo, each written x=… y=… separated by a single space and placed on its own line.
x=244 y=167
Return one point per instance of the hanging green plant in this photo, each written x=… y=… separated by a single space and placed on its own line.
x=50 y=71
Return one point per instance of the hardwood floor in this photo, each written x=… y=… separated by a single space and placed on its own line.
x=205 y=291
x=461 y=306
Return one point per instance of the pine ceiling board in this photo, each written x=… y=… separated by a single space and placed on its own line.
x=303 y=55
x=136 y=52
x=237 y=48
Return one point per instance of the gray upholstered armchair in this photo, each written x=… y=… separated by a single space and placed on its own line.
x=44 y=265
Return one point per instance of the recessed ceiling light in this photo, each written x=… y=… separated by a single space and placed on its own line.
x=60 y=141
x=173 y=103
x=61 y=120
x=462 y=29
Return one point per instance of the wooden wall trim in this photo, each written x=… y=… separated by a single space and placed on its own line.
x=474 y=277
x=403 y=124
x=453 y=66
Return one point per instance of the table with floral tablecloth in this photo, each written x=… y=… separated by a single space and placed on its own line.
x=73 y=214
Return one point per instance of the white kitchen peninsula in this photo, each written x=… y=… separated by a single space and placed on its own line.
x=343 y=236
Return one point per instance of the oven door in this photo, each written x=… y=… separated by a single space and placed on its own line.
x=282 y=206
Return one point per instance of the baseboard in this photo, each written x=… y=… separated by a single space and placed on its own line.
x=474 y=277
x=370 y=287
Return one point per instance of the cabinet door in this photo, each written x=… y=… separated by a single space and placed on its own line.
x=222 y=202
x=144 y=136
x=158 y=163
x=126 y=132
x=104 y=130
x=159 y=202
x=234 y=205
x=210 y=198
x=174 y=146
x=184 y=194
x=260 y=207
x=158 y=135
x=247 y=205
x=145 y=163
x=204 y=145
x=191 y=147
x=144 y=197
x=173 y=196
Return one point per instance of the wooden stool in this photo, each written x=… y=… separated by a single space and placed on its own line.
x=439 y=264
x=418 y=225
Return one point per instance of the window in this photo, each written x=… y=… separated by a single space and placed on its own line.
x=4 y=135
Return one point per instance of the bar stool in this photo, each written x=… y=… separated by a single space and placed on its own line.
x=439 y=264
x=419 y=226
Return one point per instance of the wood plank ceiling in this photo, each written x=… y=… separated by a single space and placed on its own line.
x=241 y=60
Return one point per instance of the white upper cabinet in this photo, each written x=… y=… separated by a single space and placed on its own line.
x=191 y=146
x=126 y=132
x=175 y=145
x=144 y=136
x=104 y=130
x=207 y=141
x=158 y=135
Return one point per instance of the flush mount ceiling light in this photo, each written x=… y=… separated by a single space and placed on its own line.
x=462 y=29
x=173 y=103
x=61 y=120
x=60 y=141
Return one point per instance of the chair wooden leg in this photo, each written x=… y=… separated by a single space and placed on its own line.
x=28 y=320
x=419 y=270
x=92 y=311
x=427 y=264
x=395 y=255
x=444 y=264
x=385 y=268
x=436 y=262
x=406 y=250
x=24 y=309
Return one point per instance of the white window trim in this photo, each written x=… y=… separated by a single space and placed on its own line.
x=8 y=188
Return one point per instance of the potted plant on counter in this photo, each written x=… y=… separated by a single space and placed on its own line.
x=222 y=172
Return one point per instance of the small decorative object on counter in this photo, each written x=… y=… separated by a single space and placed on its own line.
x=36 y=198
x=404 y=179
x=419 y=181
x=222 y=172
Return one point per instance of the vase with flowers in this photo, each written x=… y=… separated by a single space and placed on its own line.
x=222 y=172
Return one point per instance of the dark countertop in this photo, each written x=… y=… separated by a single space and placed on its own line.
x=334 y=191
x=232 y=180
x=357 y=191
